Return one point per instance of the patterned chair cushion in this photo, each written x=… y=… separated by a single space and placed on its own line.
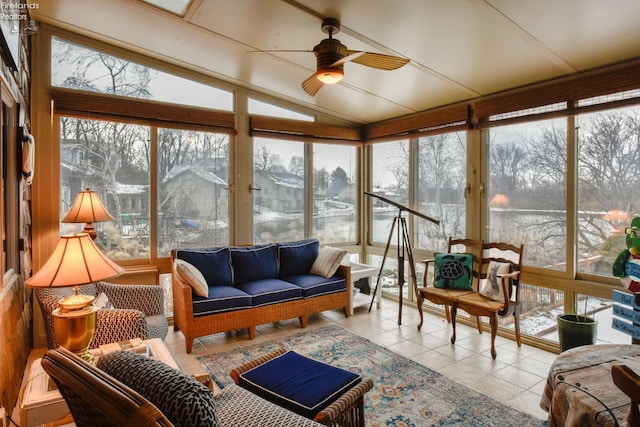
x=182 y=399
x=236 y=407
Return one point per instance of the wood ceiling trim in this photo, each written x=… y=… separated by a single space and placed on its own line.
x=273 y=127
x=131 y=110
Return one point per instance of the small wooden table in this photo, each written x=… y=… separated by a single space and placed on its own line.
x=43 y=403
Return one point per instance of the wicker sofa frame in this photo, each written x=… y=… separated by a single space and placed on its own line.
x=248 y=318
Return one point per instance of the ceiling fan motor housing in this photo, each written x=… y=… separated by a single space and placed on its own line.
x=328 y=52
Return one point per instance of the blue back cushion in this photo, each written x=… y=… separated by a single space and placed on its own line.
x=214 y=264
x=295 y=258
x=302 y=385
x=254 y=263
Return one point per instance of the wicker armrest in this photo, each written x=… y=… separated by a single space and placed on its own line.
x=147 y=298
x=235 y=372
x=345 y=403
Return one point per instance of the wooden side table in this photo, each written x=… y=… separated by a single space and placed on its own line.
x=42 y=402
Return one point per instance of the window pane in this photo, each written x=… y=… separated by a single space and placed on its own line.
x=440 y=189
x=78 y=67
x=526 y=196
x=112 y=159
x=391 y=180
x=334 y=196
x=278 y=178
x=193 y=198
x=608 y=179
x=266 y=109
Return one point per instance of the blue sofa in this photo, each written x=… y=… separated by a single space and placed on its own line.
x=241 y=287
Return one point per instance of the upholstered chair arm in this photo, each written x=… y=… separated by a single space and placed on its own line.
x=147 y=298
x=238 y=370
x=114 y=325
x=330 y=414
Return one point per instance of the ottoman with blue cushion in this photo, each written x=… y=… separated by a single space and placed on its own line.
x=305 y=386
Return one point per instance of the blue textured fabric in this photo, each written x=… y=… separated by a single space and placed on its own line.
x=302 y=385
x=221 y=298
x=254 y=263
x=214 y=264
x=269 y=291
x=297 y=257
x=313 y=285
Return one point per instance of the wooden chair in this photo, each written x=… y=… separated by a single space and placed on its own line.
x=442 y=296
x=480 y=305
x=629 y=383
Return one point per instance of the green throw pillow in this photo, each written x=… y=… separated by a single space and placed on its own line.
x=453 y=271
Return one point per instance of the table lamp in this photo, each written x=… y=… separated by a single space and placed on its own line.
x=87 y=208
x=75 y=261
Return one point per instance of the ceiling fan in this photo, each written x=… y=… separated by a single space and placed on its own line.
x=331 y=56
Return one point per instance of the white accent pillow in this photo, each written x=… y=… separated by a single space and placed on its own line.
x=190 y=274
x=328 y=261
x=491 y=287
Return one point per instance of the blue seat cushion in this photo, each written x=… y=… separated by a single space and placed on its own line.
x=221 y=299
x=269 y=291
x=313 y=285
x=214 y=264
x=254 y=263
x=302 y=385
x=297 y=257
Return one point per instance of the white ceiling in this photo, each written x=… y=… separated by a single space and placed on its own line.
x=459 y=49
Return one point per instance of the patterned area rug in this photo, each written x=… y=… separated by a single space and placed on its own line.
x=405 y=392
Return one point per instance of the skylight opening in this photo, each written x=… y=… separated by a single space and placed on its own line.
x=177 y=7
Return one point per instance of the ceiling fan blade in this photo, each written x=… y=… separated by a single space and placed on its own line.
x=377 y=60
x=312 y=85
x=279 y=50
x=350 y=57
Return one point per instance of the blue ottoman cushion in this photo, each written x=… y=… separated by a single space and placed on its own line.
x=302 y=385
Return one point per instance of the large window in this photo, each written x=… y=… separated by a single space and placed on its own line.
x=79 y=67
x=608 y=179
x=334 y=193
x=440 y=189
x=526 y=195
x=279 y=187
x=193 y=191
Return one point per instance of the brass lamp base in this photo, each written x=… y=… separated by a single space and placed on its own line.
x=74 y=329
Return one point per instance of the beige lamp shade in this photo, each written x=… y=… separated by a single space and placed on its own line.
x=75 y=261
x=87 y=208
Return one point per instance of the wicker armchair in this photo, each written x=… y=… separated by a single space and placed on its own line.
x=96 y=399
x=137 y=312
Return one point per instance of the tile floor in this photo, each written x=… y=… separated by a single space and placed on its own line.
x=516 y=377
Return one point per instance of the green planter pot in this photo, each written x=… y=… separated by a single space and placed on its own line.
x=574 y=331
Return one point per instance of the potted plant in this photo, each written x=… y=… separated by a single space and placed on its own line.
x=575 y=330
